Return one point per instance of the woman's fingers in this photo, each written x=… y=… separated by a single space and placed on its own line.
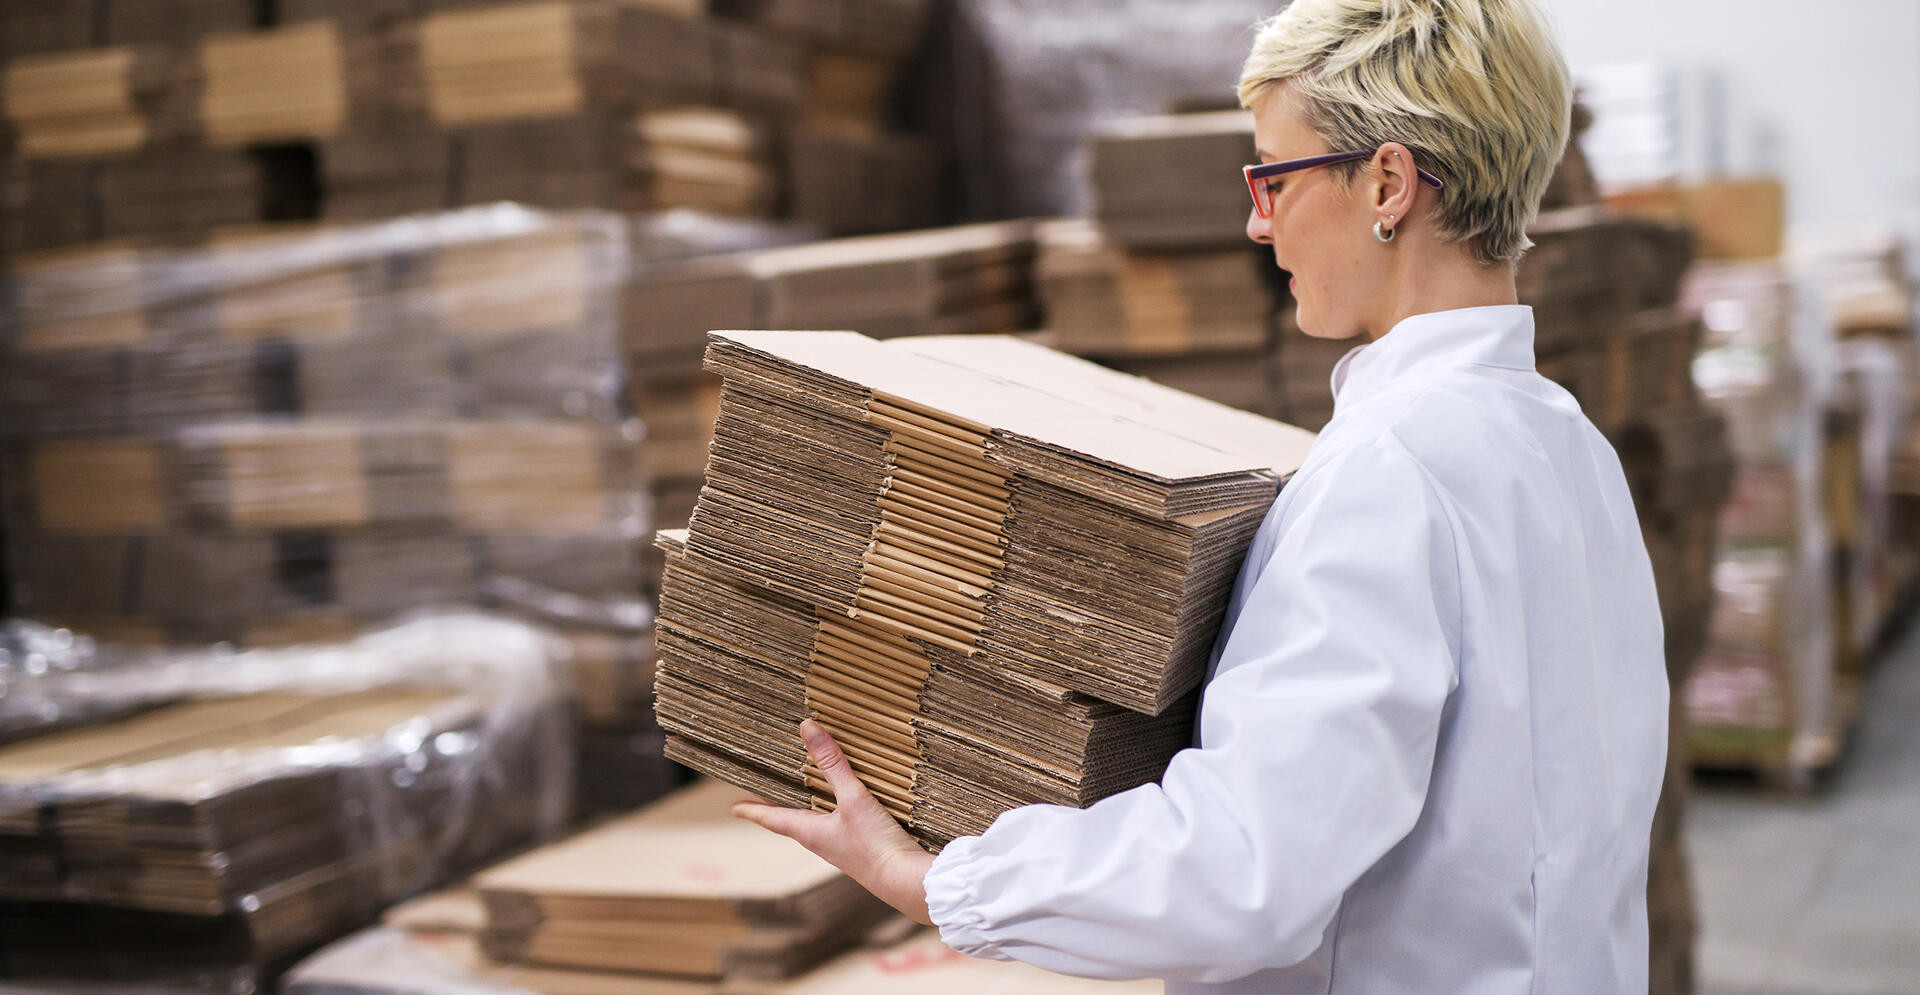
x=800 y=825
x=833 y=764
x=860 y=837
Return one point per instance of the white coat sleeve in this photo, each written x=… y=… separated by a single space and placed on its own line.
x=1318 y=731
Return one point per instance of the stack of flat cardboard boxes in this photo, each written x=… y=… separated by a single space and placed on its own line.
x=920 y=540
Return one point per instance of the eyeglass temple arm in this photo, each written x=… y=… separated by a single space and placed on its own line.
x=1265 y=170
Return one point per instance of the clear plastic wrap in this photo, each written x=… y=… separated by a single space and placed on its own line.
x=321 y=426
x=248 y=805
x=1765 y=693
x=1024 y=81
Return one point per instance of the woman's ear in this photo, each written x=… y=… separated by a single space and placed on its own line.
x=1395 y=184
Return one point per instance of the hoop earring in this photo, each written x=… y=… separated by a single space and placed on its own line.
x=1386 y=236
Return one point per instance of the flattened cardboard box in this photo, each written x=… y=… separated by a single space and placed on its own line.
x=678 y=888
x=994 y=569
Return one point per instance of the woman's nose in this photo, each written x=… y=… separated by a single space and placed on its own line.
x=1258 y=228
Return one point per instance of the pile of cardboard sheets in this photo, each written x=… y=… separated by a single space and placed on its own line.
x=679 y=888
x=925 y=542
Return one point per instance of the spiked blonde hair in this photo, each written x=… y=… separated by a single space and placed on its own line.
x=1476 y=88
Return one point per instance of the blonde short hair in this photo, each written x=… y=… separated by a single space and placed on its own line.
x=1476 y=88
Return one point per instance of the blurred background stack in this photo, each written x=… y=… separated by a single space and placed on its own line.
x=317 y=316
x=136 y=118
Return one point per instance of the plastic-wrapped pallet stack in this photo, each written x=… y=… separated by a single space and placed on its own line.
x=133 y=118
x=290 y=433
x=1811 y=360
x=305 y=429
x=187 y=820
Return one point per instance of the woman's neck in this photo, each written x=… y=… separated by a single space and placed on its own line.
x=1428 y=281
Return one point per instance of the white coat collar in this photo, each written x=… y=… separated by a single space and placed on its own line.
x=1496 y=335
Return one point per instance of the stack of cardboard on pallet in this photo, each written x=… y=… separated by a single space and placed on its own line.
x=1162 y=281
x=378 y=108
x=919 y=541
x=242 y=808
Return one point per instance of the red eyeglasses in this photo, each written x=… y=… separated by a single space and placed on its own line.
x=1263 y=198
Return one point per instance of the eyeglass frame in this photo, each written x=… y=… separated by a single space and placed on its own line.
x=1261 y=171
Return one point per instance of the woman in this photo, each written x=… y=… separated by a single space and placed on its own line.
x=1430 y=747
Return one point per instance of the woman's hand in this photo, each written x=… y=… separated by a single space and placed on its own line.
x=859 y=837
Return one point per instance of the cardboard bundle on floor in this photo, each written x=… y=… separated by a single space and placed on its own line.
x=921 y=541
x=1173 y=181
x=1108 y=302
x=679 y=888
x=428 y=947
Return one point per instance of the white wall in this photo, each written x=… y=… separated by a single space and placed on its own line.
x=1833 y=85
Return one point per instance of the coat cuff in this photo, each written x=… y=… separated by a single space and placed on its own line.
x=952 y=903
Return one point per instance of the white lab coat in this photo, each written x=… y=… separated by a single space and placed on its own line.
x=1430 y=747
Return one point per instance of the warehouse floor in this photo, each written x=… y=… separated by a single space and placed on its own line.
x=1820 y=896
